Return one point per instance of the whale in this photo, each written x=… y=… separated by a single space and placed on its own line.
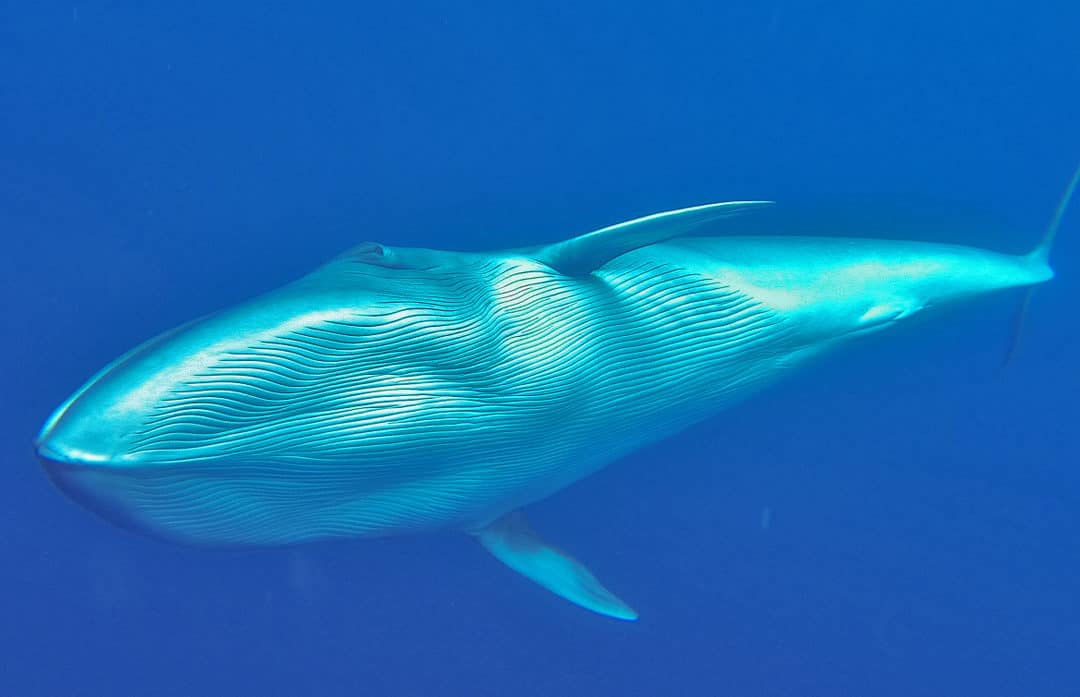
x=400 y=390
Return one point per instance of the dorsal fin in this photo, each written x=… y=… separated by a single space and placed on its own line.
x=584 y=254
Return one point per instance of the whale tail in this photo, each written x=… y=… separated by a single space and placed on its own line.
x=1041 y=253
x=1039 y=256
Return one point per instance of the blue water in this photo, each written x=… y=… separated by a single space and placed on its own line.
x=900 y=520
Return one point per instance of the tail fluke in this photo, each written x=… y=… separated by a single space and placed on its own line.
x=1042 y=250
x=1040 y=255
x=1017 y=326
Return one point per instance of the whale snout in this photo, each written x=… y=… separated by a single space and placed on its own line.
x=86 y=483
x=81 y=432
x=62 y=472
x=54 y=463
x=82 y=449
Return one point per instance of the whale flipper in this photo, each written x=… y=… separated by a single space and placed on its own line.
x=584 y=254
x=513 y=542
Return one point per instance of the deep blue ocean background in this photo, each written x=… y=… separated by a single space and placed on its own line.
x=162 y=160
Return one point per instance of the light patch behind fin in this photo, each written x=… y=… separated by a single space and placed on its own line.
x=584 y=254
x=889 y=311
x=513 y=542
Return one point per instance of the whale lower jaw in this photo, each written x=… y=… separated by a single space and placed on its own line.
x=208 y=504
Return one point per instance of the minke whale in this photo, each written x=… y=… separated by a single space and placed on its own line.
x=402 y=390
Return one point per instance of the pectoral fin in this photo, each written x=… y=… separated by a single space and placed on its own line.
x=513 y=542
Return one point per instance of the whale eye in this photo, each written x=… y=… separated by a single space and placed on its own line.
x=372 y=253
x=375 y=254
x=373 y=249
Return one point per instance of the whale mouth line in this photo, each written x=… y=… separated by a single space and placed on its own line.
x=63 y=473
x=70 y=457
x=49 y=455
